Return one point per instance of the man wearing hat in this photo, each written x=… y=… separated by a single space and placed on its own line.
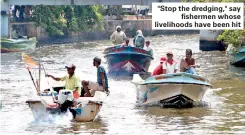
x=159 y=69
x=102 y=81
x=71 y=81
x=170 y=65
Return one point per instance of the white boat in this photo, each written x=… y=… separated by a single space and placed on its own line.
x=83 y=108
x=87 y=108
x=178 y=89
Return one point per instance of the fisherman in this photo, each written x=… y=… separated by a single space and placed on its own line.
x=187 y=64
x=118 y=37
x=102 y=81
x=148 y=48
x=72 y=82
x=139 y=39
x=159 y=69
x=126 y=43
x=170 y=65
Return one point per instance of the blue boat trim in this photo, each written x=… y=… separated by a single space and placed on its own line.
x=153 y=89
x=78 y=111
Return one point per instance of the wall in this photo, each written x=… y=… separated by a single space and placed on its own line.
x=129 y=27
x=208 y=41
x=209 y=35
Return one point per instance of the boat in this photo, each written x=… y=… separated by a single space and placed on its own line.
x=171 y=90
x=18 y=45
x=87 y=108
x=126 y=61
x=239 y=58
x=49 y=101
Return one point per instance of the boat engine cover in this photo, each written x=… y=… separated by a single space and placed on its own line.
x=65 y=95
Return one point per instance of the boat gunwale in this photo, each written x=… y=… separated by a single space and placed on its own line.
x=165 y=83
x=183 y=74
x=39 y=101
x=128 y=53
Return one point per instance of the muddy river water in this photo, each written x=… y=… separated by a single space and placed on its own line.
x=224 y=114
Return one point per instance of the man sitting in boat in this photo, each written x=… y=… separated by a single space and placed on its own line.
x=170 y=65
x=102 y=81
x=126 y=43
x=148 y=48
x=71 y=83
x=118 y=37
x=187 y=64
x=159 y=70
x=139 y=40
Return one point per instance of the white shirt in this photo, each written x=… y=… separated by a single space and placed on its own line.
x=170 y=68
x=118 y=37
x=147 y=48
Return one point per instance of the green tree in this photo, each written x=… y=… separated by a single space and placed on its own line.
x=60 y=20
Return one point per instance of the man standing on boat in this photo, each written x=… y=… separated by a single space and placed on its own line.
x=170 y=65
x=159 y=69
x=139 y=40
x=71 y=83
x=102 y=81
x=118 y=37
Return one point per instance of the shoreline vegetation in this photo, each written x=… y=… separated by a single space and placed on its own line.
x=63 y=20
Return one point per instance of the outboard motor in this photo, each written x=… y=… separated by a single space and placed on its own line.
x=65 y=99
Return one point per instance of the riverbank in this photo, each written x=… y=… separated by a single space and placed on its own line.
x=129 y=27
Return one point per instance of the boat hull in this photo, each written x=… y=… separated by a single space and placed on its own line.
x=126 y=61
x=171 y=89
x=85 y=113
x=170 y=93
x=18 y=45
x=239 y=58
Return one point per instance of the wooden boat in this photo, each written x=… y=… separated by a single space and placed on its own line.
x=18 y=45
x=239 y=58
x=126 y=61
x=87 y=109
x=178 y=89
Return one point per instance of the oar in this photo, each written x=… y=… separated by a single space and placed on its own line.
x=51 y=88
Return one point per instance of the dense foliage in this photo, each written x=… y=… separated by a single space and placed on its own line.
x=60 y=20
x=228 y=36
